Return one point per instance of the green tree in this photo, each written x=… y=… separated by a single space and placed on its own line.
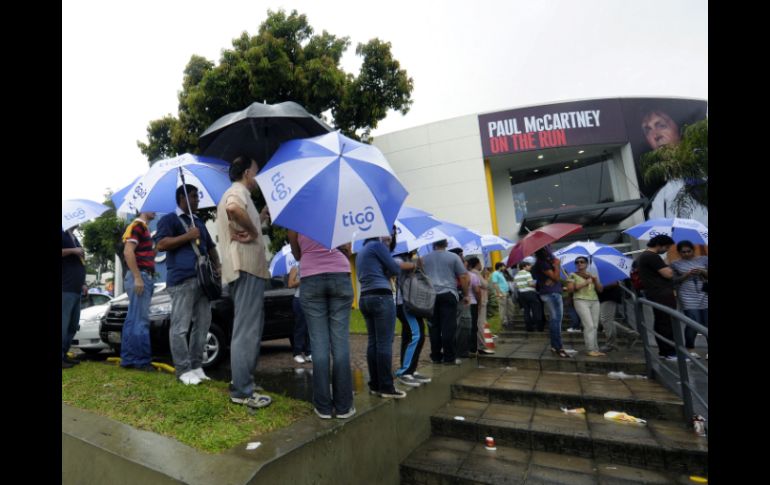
x=686 y=161
x=101 y=239
x=285 y=61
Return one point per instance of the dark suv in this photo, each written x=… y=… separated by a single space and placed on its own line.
x=279 y=321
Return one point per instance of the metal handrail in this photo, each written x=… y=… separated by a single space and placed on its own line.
x=681 y=351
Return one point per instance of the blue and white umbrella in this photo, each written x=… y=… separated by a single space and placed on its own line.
x=417 y=221
x=457 y=237
x=406 y=238
x=332 y=189
x=78 y=211
x=611 y=265
x=491 y=242
x=282 y=262
x=678 y=229
x=155 y=190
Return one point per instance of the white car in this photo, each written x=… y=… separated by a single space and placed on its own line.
x=92 y=309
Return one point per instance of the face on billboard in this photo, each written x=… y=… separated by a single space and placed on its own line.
x=659 y=129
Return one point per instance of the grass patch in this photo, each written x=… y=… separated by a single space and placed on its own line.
x=358 y=324
x=199 y=416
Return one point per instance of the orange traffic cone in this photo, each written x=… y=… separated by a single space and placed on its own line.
x=489 y=342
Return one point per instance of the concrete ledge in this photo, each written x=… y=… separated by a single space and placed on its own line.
x=97 y=450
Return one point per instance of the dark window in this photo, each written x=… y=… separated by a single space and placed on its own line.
x=554 y=187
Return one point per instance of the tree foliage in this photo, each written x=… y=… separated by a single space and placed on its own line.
x=687 y=161
x=285 y=61
x=101 y=238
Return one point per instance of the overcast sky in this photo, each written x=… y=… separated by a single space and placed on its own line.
x=122 y=62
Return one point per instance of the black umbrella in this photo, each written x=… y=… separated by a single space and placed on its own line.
x=258 y=131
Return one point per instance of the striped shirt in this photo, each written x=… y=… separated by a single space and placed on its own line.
x=522 y=279
x=690 y=291
x=137 y=232
x=237 y=256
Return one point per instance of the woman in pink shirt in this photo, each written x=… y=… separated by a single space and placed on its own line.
x=326 y=297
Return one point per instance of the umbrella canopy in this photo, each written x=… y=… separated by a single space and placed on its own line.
x=416 y=220
x=332 y=189
x=258 y=130
x=540 y=238
x=282 y=262
x=456 y=235
x=77 y=211
x=679 y=230
x=611 y=265
x=120 y=196
x=406 y=237
x=492 y=242
x=155 y=190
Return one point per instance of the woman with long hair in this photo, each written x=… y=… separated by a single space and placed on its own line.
x=546 y=272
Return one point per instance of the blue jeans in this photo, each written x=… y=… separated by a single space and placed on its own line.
x=190 y=323
x=326 y=299
x=555 y=306
x=301 y=337
x=412 y=340
x=135 y=350
x=70 y=319
x=701 y=316
x=379 y=311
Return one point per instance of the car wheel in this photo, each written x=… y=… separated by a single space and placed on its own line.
x=214 y=350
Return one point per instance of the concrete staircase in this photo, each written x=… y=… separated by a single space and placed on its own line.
x=515 y=397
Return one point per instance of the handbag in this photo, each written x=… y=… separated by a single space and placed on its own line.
x=208 y=278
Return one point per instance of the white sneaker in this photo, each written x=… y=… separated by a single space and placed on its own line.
x=309 y=358
x=201 y=375
x=299 y=359
x=321 y=415
x=408 y=380
x=421 y=378
x=397 y=394
x=190 y=378
x=693 y=354
x=347 y=414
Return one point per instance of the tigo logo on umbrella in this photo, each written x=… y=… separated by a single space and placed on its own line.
x=359 y=219
x=281 y=190
x=78 y=214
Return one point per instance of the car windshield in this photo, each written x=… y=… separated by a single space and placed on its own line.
x=93 y=299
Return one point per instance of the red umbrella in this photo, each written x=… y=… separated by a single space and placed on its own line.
x=540 y=238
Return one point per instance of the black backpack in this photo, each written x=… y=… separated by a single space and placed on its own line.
x=418 y=294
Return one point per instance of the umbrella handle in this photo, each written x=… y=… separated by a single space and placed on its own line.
x=187 y=198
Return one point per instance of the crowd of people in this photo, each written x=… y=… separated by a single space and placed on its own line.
x=324 y=297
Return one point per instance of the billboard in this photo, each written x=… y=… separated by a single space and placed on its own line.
x=550 y=126
x=644 y=123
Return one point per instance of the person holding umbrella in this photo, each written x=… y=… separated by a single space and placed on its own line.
x=585 y=286
x=375 y=266
x=326 y=299
x=139 y=256
x=73 y=284
x=691 y=278
x=244 y=268
x=191 y=308
x=546 y=272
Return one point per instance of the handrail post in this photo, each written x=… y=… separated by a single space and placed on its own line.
x=681 y=360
